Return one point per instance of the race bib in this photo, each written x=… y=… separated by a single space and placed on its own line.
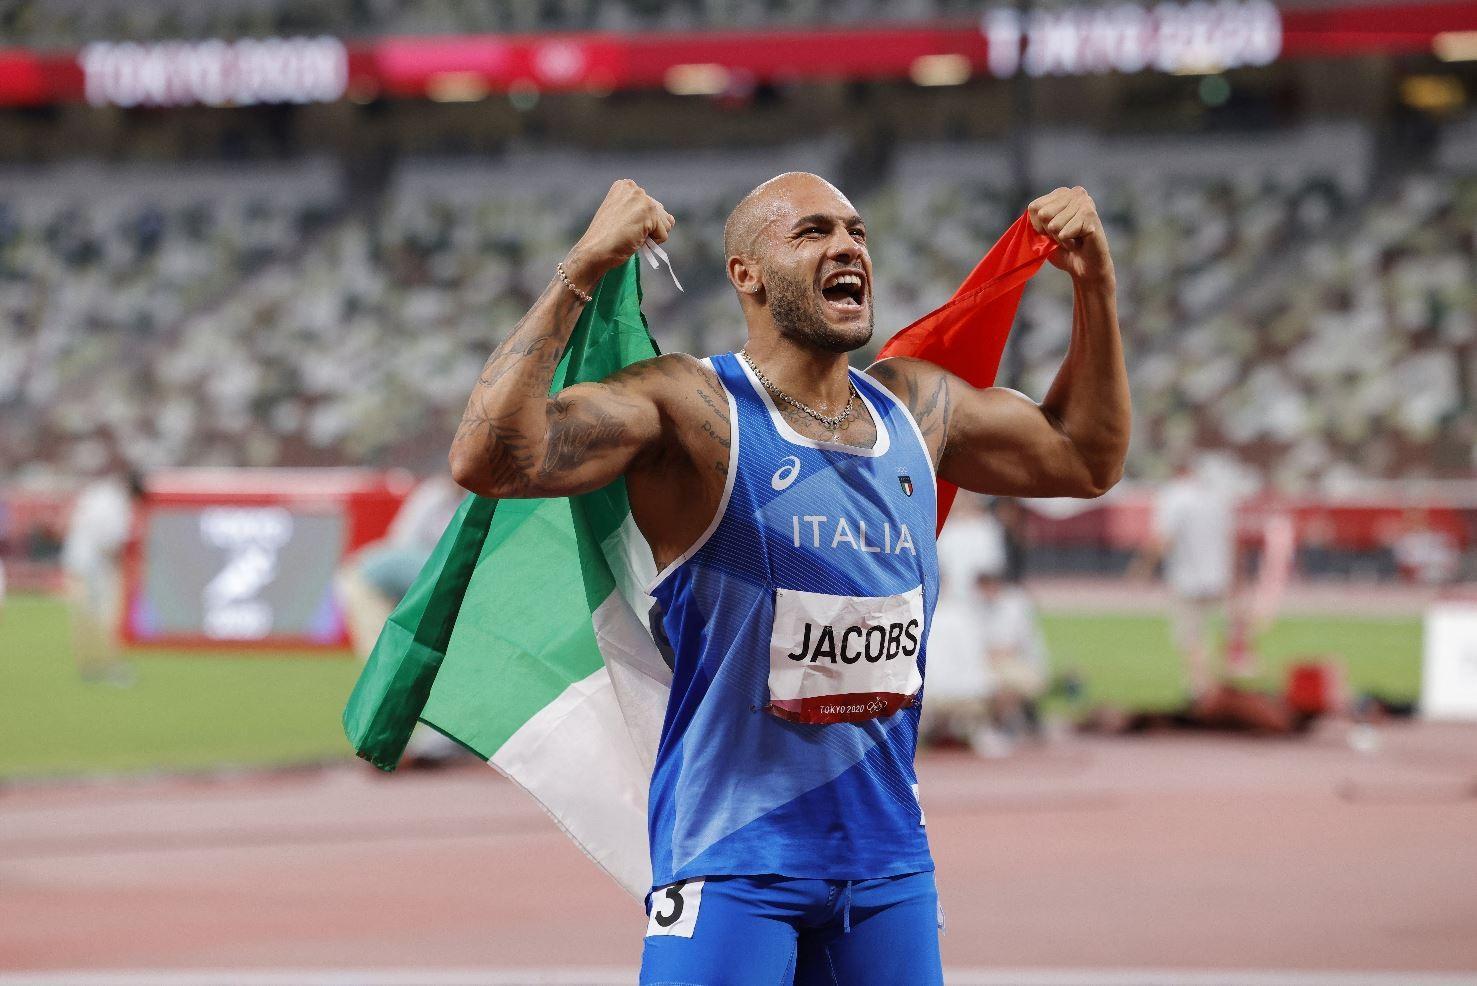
x=843 y=658
x=674 y=909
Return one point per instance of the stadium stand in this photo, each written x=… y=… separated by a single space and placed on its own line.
x=274 y=319
x=99 y=270
x=72 y=22
x=1192 y=224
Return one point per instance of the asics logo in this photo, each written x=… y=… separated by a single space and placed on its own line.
x=786 y=473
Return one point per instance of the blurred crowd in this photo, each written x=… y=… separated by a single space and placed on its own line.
x=62 y=23
x=1352 y=357
x=1367 y=362
x=105 y=275
x=1314 y=332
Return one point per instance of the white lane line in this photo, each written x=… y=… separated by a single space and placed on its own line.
x=608 y=976
x=325 y=977
x=1199 y=977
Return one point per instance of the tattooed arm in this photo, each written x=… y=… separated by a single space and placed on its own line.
x=515 y=440
x=999 y=441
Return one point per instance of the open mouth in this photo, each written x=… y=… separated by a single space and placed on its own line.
x=844 y=290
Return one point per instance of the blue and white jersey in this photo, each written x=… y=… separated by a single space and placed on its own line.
x=796 y=627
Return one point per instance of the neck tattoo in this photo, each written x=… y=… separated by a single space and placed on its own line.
x=832 y=422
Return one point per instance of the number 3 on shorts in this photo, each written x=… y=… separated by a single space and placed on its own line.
x=674 y=909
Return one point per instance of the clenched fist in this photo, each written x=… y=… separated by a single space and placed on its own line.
x=1069 y=216
x=622 y=223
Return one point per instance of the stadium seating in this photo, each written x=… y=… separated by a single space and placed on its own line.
x=106 y=276
x=264 y=317
x=63 y=23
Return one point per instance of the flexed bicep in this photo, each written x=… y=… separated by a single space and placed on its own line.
x=990 y=440
x=592 y=434
x=1003 y=443
x=1074 y=442
x=514 y=441
x=596 y=431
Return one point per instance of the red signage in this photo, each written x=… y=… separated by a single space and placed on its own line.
x=1123 y=37
x=1168 y=36
x=215 y=73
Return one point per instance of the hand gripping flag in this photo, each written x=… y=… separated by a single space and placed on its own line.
x=525 y=637
x=966 y=336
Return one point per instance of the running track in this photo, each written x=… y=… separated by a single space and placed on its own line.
x=1097 y=862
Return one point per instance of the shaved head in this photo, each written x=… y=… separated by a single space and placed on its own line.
x=764 y=204
x=797 y=257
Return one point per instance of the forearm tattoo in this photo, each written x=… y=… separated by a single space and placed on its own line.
x=500 y=426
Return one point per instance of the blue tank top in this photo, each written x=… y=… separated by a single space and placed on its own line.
x=796 y=630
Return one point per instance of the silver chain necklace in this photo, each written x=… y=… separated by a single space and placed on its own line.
x=832 y=422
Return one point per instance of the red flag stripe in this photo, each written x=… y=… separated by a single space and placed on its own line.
x=966 y=335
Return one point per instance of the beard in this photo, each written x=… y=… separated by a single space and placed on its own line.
x=796 y=309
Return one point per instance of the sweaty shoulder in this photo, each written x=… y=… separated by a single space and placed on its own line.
x=924 y=389
x=677 y=487
x=904 y=371
x=673 y=382
x=690 y=399
x=655 y=377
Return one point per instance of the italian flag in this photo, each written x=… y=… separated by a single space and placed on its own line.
x=525 y=637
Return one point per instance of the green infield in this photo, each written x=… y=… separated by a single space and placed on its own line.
x=1128 y=660
x=191 y=710
x=184 y=710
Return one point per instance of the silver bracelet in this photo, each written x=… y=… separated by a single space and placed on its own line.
x=584 y=296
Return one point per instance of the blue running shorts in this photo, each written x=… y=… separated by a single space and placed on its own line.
x=775 y=931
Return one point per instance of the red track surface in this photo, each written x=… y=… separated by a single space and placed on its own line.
x=1192 y=853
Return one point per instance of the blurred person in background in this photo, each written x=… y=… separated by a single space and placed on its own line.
x=98 y=531
x=373 y=580
x=987 y=658
x=1425 y=553
x=1193 y=532
x=957 y=709
x=987 y=666
x=1017 y=662
x=972 y=541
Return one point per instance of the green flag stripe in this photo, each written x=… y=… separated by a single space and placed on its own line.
x=524 y=633
x=405 y=659
x=500 y=617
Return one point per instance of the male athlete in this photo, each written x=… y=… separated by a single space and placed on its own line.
x=789 y=502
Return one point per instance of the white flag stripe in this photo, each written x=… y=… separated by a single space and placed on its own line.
x=576 y=758
x=629 y=558
x=641 y=679
x=587 y=756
